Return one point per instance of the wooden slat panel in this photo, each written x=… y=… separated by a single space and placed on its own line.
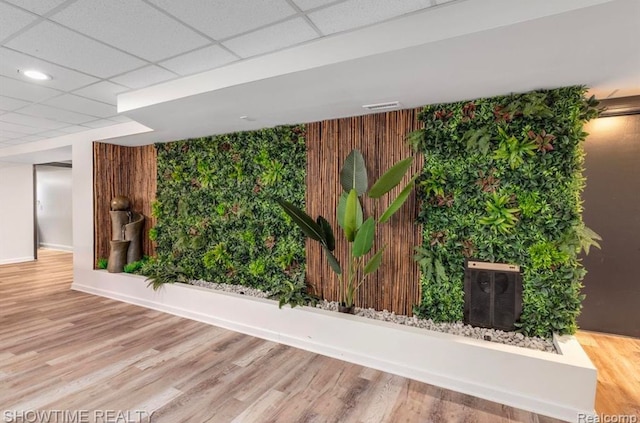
x=128 y=171
x=381 y=139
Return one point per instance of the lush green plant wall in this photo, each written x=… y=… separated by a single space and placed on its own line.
x=217 y=219
x=502 y=182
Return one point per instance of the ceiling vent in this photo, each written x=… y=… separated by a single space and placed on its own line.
x=382 y=106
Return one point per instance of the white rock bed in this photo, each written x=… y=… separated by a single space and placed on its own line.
x=457 y=328
x=493 y=335
x=236 y=289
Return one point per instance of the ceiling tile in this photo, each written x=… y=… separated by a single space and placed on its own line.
x=51 y=134
x=73 y=129
x=62 y=79
x=62 y=46
x=104 y=91
x=37 y=6
x=16 y=141
x=144 y=77
x=31 y=138
x=132 y=26
x=8 y=104
x=120 y=119
x=24 y=90
x=272 y=38
x=10 y=134
x=83 y=105
x=21 y=129
x=100 y=123
x=12 y=20
x=221 y=19
x=200 y=60
x=357 y=13
x=54 y=113
x=311 y=4
x=35 y=122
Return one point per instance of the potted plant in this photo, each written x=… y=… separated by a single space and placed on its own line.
x=358 y=231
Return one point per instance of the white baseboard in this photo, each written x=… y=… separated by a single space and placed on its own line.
x=56 y=247
x=16 y=260
x=557 y=385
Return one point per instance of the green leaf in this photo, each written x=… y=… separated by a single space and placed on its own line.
x=333 y=261
x=327 y=231
x=364 y=238
x=303 y=220
x=415 y=138
x=353 y=174
x=398 y=202
x=588 y=238
x=391 y=178
x=374 y=262
x=351 y=216
x=342 y=206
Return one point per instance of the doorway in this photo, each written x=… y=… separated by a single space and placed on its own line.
x=53 y=206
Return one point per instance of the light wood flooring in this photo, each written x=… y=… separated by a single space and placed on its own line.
x=617 y=359
x=65 y=350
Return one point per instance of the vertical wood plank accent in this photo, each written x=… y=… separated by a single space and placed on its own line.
x=128 y=171
x=381 y=139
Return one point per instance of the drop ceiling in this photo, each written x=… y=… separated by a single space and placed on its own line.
x=190 y=68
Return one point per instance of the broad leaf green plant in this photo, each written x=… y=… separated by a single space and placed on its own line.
x=499 y=216
x=358 y=231
x=512 y=150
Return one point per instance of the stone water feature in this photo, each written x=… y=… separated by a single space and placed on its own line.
x=126 y=235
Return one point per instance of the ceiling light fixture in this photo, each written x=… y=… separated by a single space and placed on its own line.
x=35 y=74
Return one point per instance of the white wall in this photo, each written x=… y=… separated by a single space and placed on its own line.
x=16 y=213
x=53 y=207
x=82 y=210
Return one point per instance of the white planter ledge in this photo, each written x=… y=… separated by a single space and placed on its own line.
x=557 y=385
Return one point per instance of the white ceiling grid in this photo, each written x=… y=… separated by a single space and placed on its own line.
x=96 y=49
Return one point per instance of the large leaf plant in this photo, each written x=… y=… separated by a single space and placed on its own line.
x=358 y=231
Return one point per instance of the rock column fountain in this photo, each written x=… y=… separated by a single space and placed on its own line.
x=126 y=235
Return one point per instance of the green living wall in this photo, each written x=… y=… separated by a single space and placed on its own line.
x=502 y=182
x=216 y=215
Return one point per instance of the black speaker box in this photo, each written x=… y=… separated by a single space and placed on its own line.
x=492 y=295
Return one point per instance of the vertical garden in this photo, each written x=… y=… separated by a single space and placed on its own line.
x=217 y=219
x=502 y=183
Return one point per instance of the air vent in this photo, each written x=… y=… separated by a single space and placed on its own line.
x=382 y=106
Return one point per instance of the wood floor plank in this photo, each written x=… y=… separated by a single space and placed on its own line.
x=62 y=349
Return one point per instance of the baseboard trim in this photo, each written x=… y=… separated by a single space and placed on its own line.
x=58 y=247
x=16 y=260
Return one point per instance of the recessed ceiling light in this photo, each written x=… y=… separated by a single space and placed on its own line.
x=37 y=75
